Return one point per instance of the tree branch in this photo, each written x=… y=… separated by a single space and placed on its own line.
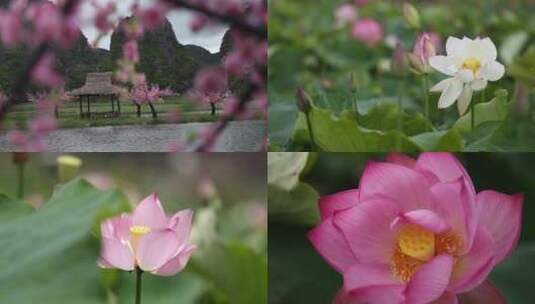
x=24 y=79
x=233 y=21
x=222 y=124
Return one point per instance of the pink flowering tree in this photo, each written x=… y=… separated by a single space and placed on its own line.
x=210 y=87
x=47 y=27
x=142 y=94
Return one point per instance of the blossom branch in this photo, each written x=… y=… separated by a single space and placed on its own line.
x=233 y=21
x=24 y=79
x=221 y=125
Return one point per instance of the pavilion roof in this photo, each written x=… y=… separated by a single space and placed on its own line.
x=97 y=84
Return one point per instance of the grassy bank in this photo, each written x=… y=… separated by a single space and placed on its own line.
x=69 y=114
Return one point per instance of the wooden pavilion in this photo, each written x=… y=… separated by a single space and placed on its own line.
x=98 y=85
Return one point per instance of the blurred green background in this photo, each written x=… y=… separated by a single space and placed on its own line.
x=297 y=274
x=307 y=49
x=50 y=237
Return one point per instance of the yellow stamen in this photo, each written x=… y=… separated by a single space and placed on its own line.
x=404 y=266
x=416 y=246
x=447 y=243
x=472 y=64
x=417 y=242
x=136 y=233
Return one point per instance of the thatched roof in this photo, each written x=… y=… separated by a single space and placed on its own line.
x=97 y=84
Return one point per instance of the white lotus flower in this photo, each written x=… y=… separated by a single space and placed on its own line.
x=471 y=65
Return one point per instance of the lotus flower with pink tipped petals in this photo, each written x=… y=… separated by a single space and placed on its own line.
x=147 y=239
x=415 y=232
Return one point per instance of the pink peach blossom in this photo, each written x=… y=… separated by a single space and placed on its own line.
x=147 y=239
x=3 y=99
x=416 y=231
x=102 y=15
x=368 y=31
x=10 y=24
x=44 y=74
x=153 y=16
x=130 y=51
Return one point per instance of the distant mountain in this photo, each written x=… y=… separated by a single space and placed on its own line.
x=201 y=55
x=81 y=59
x=75 y=63
x=163 y=60
x=226 y=44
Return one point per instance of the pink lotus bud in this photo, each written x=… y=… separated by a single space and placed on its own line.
x=147 y=239
x=345 y=15
x=422 y=51
x=368 y=31
x=424 y=47
x=303 y=101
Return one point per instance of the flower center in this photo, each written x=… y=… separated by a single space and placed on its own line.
x=417 y=242
x=472 y=64
x=416 y=246
x=137 y=232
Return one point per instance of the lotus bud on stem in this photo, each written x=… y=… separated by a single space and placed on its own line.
x=304 y=105
x=411 y=15
x=353 y=83
x=419 y=60
x=68 y=167
x=400 y=67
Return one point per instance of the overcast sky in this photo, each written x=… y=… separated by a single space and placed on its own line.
x=210 y=38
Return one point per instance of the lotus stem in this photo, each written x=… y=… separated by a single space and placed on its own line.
x=426 y=96
x=401 y=93
x=20 y=180
x=310 y=132
x=139 y=272
x=355 y=106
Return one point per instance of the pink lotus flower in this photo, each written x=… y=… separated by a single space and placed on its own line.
x=416 y=231
x=147 y=239
x=368 y=31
